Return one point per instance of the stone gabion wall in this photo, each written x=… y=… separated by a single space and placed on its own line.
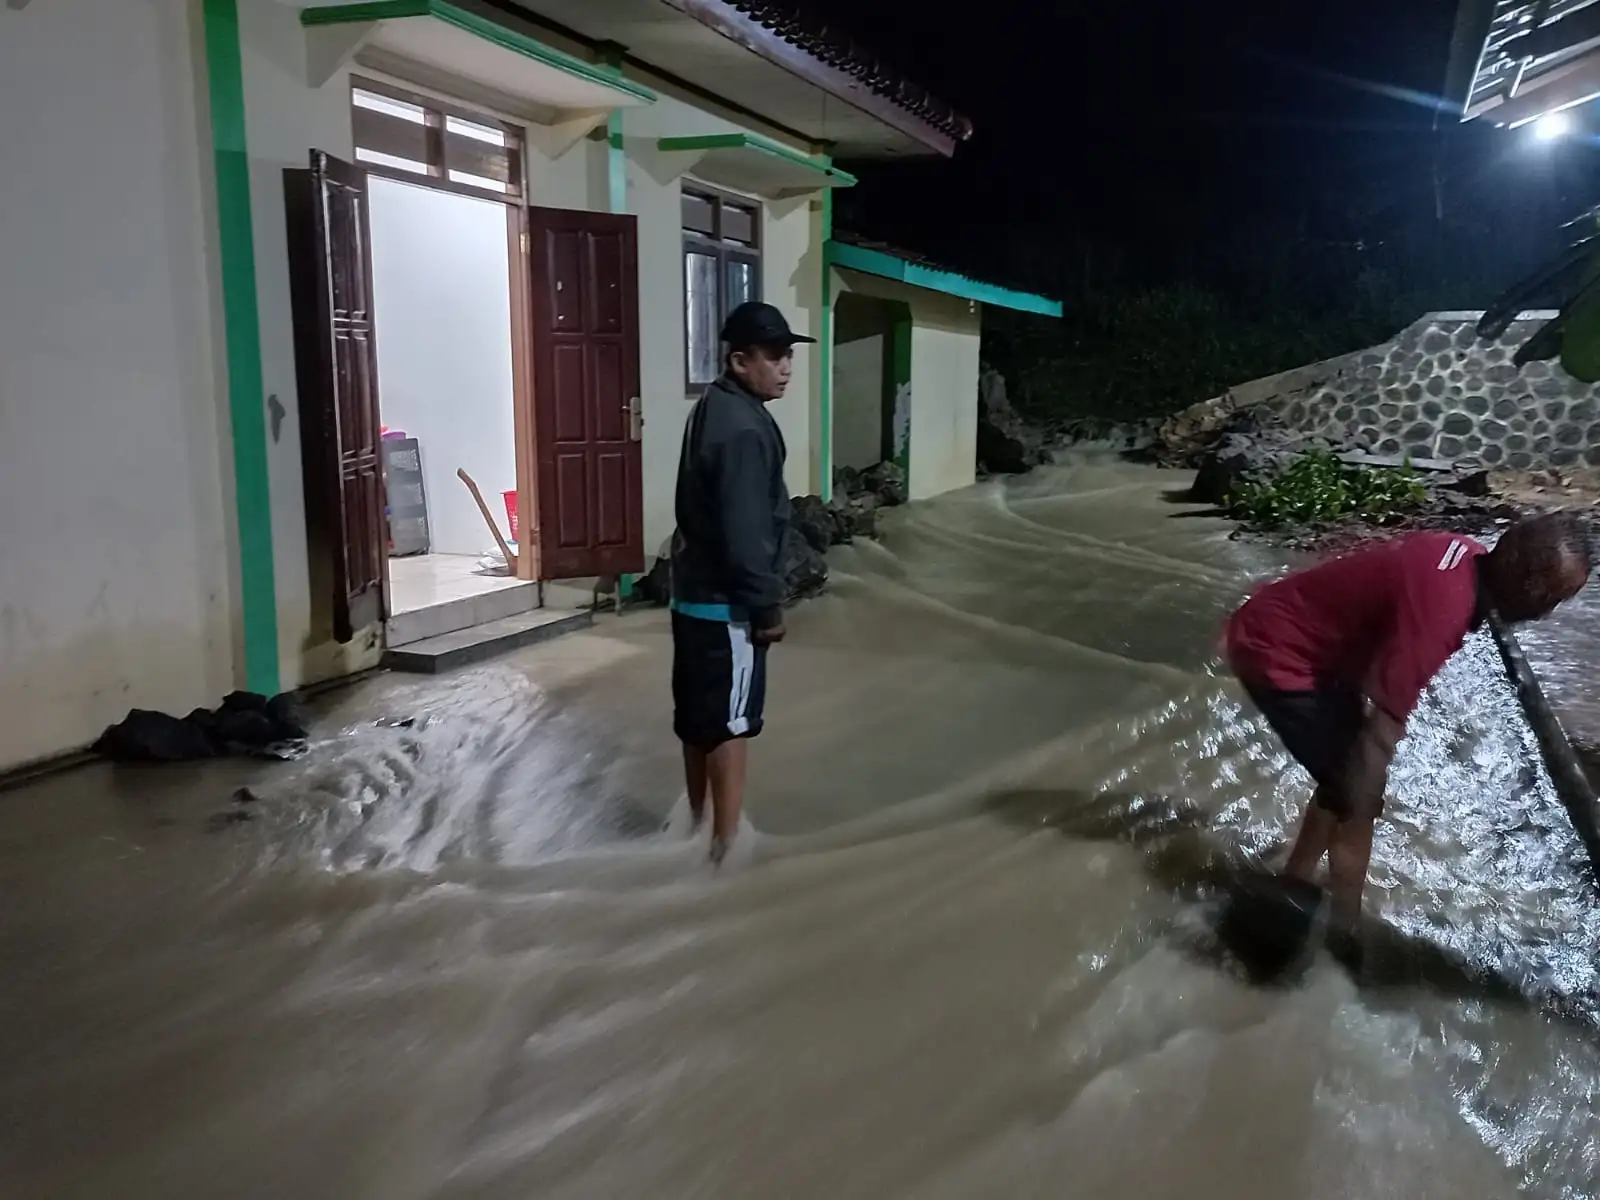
x=1438 y=391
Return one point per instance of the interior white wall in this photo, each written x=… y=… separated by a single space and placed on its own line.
x=116 y=528
x=441 y=279
x=858 y=366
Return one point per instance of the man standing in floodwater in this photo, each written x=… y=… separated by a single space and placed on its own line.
x=727 y=562
x=1337 y=656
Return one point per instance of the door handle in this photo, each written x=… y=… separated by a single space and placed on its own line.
x=635 y=410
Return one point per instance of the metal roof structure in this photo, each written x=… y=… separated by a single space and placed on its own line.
x=770 y=58
x=1513 y=61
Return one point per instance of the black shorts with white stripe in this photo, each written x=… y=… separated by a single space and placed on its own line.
x=719 y=681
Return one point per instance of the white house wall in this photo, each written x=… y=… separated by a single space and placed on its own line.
x=946 y=338
x=287 y=117
x=791 y=279
x=116 y=526
x=945 y=343
x=118 y=539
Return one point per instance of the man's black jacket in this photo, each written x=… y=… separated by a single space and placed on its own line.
x=733 y=509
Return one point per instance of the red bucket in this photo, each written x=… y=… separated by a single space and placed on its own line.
x=511 y=513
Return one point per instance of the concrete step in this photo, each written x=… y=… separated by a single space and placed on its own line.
x=463 y=647
x=406 y=628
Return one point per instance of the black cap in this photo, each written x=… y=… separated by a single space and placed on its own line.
x=757 y=324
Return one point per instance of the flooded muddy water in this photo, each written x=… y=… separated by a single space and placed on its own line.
x=1561 y=650
x=961 y=952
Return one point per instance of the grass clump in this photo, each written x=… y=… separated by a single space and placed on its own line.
x=1318 y=489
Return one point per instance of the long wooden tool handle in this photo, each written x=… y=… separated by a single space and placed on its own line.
x=472 y=486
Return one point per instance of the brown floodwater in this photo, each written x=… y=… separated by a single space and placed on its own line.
x=962 y=949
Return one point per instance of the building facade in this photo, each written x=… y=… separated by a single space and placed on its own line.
x=257 y=249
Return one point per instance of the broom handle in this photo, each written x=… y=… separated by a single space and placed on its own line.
x=472 y=486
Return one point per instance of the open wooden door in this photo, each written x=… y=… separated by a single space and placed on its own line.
x=336 y=368
x=584 y=274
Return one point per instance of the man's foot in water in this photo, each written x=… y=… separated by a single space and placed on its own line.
x=1345 y=946
x=719 y=848
x=696 y=819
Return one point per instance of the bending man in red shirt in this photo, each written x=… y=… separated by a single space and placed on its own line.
x=1337 y=656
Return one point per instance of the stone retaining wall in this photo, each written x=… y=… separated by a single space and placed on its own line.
x=1439 y=391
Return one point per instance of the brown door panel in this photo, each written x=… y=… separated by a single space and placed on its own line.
x=585 y=353
x=336 y=373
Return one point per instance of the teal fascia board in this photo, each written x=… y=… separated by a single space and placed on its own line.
x=901 y=270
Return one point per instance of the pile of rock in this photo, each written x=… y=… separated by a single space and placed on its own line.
x=814 y=526
x=1250 y=444
x=1010 y=445
x=858 y=495
x=1007 y=445
x=1185 y=437
x=1125 y=437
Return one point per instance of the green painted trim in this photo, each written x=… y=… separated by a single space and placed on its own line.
x=751 y=141
x=241 y=319
x=616 y=163
x=899 y=376
x=891 y=266
x=825 y=353
x=481 y=26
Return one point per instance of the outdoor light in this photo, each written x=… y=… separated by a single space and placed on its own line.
x=1552 y=126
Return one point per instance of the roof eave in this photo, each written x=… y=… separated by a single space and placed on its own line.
x=739 y=27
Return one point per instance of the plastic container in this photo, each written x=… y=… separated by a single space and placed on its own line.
x=511 y=514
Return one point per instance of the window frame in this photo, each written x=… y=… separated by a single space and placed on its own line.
x=724 y=251
x=438 y=142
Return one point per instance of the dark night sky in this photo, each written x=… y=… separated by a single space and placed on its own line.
x=1113 y=120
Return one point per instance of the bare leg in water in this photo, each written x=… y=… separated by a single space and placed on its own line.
x=722 y=773
x=726 y=768
x=694 y=780
x=1348 y=845
x=1348 y=858
x=1317 y=830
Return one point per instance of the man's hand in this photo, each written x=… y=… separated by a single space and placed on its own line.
x=768 y=635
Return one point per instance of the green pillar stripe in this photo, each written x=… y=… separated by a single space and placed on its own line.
x=825 y=345
x=616 y=163
x=617 y=187
x=617 y=201
x=899 y=376
x=242 y=334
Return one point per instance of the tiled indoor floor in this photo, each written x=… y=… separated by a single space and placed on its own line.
x=427 y=580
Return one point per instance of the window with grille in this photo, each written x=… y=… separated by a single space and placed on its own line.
x=721 y=270
x=406 y=136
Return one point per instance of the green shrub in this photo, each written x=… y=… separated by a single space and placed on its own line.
x=1318 y=488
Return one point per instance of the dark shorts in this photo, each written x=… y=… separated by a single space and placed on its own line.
x=719 y=681
x=1319 y=728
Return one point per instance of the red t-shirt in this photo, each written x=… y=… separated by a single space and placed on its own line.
x=1382 y=620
